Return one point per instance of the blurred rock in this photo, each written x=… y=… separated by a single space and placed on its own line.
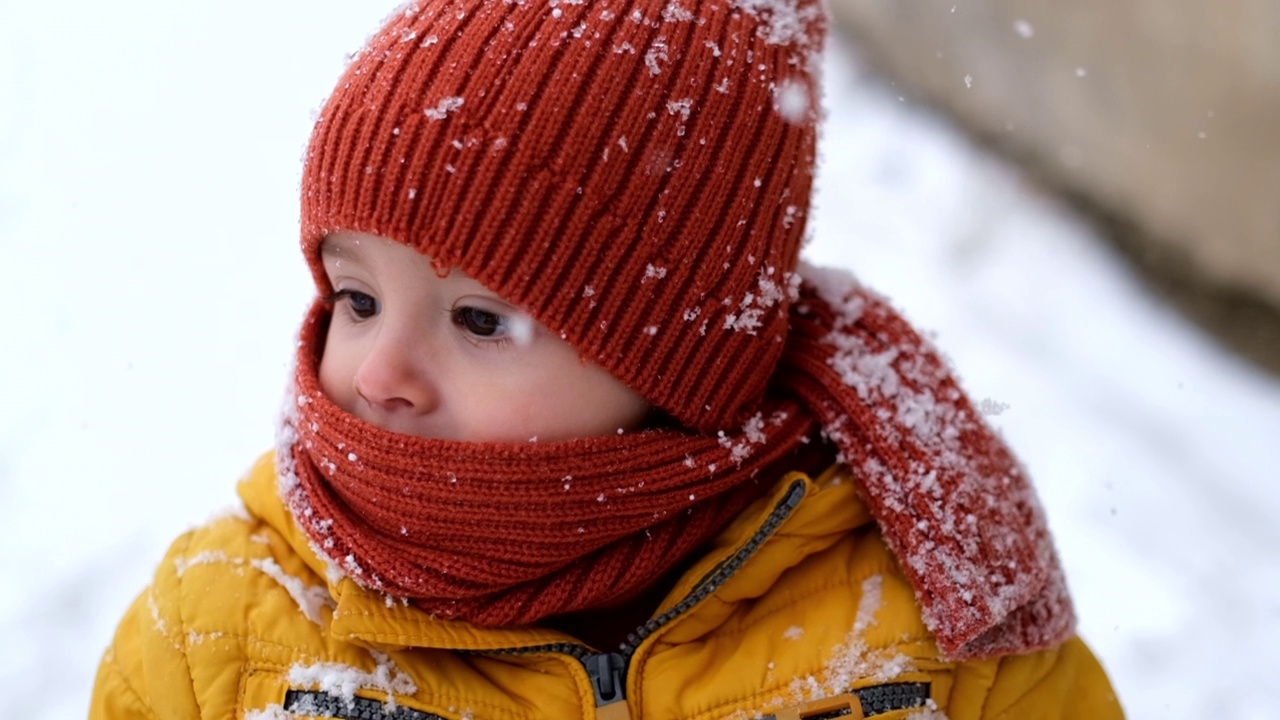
x=1162 y=117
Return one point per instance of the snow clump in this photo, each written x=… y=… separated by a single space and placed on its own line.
x=753 y=434
x=342 y=681
x=782 y=22
x=444 y=107
x=674 y=12
x=270 y=712
x=310 y=598
x=656 y=52
x=769 y=293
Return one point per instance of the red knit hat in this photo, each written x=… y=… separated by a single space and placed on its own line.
x=634 y=173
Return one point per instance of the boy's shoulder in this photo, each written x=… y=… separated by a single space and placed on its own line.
x=238 y=575
x=230 y=599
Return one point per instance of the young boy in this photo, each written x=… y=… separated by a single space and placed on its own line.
x=571 y=434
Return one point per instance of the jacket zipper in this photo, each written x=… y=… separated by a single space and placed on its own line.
x=860 y=703
x=322 y=704
x=608 y=670
x=878 y=699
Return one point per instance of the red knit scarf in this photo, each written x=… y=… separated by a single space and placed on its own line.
x=499 y=534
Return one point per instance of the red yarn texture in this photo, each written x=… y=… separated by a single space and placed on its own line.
x=635 y=174
x=499 y=534
x=623 y=170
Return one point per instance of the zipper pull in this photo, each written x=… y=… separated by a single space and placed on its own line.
x=608 y=673
x=845 y=707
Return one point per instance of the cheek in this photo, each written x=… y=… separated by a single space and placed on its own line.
x=616 y=405
x=581 y=401
x=513 y=403
x=337 y=367
x=508 y=410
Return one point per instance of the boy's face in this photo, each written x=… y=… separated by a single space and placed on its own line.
x=415 y=353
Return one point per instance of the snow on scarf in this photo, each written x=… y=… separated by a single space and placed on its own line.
x=498 y=534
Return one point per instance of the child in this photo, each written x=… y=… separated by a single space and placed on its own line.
x=571 y=434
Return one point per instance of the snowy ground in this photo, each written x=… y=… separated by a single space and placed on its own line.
x=148 y=168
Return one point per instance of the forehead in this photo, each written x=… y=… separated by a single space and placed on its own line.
x=345 y=244
x=374 y=251
x=384 y=256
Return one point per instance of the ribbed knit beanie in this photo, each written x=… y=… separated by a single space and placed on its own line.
x=634 y=173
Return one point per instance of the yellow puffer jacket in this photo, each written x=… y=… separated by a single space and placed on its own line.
x=797 y=611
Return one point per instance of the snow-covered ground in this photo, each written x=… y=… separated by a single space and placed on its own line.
x=148 y=171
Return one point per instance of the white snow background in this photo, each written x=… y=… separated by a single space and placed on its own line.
x=149 y=156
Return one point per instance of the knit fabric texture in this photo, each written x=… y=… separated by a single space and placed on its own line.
x=501 y=534
x=636 y=174
x=498 y=534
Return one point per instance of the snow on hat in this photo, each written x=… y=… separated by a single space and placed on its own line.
x=634 y=173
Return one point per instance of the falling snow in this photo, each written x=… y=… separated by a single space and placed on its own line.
x=791 y=100
x=522 y=328
x=987 y=406
x=1123 y=476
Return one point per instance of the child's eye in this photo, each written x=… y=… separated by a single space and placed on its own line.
x=362 y=305
x=480 y=323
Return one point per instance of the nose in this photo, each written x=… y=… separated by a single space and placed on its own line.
x=394 y=378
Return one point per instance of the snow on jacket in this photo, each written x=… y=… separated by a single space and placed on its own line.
x=796 y=610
